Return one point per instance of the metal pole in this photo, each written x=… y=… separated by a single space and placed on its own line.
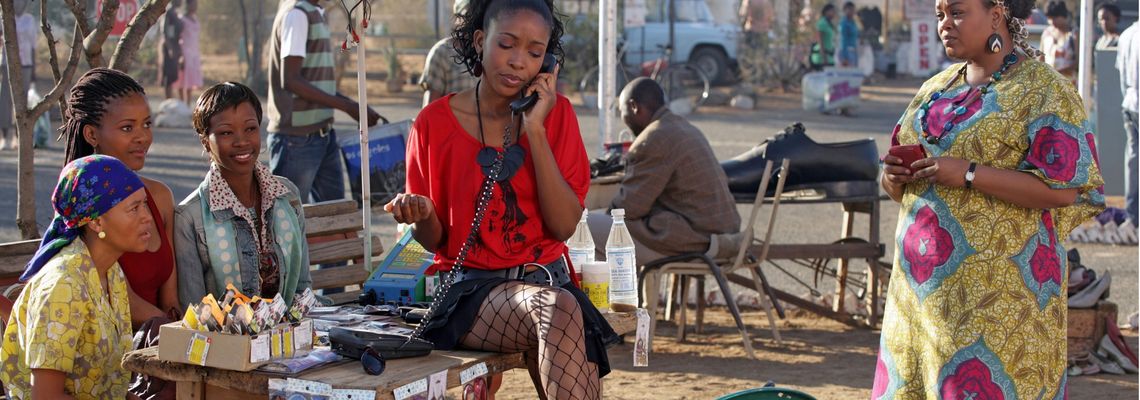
x=1084 y=62
x=607 y=77
x=885 y=36
x=365 y=152
x=436 y=12
x=672 y=36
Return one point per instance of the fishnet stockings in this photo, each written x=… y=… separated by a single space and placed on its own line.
x=545 y=323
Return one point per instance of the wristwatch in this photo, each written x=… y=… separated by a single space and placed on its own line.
x=970 y=175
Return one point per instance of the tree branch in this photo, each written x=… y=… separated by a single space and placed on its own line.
x=132 y=38
x=64 y=84
x=53 y=58
x=12 y=50
x=79 y=10
x=93 y=43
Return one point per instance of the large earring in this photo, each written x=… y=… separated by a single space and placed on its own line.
x=478 y=69
x=102 y=235
x=994 y=43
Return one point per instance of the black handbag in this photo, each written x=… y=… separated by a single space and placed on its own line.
x=352 y=343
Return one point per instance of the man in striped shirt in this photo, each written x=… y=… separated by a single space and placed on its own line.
x=302 y=99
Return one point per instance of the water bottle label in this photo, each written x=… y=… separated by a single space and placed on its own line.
x=622 y=278
x=580 y=257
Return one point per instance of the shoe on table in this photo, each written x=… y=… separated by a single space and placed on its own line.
x=1079 y=279
x=1105 y=364
x=1128 y=235
x=1113 y=332
x=1111 y=352
x=1088 y=296
x=1079 y=235
x=1110 y=233
x=813 y=164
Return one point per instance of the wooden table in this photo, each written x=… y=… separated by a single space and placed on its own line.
x=869 y=248
x=849 y=247
x=196 y=382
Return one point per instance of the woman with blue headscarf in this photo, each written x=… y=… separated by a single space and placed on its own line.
x=71 y=324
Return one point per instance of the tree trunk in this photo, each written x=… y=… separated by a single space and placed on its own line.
x=132 y=38
x=26 y=116
x=25 y=177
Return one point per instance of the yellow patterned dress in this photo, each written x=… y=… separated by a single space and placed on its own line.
x=977 y=304
x=65 y=321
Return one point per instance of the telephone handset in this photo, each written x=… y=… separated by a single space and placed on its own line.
x=526 y=102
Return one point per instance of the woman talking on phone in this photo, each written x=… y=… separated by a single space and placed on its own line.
x=1009 y=169
x=494 y=194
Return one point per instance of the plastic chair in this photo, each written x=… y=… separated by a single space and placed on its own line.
x=767 y=393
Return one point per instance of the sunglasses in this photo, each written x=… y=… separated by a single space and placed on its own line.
x=372 y=361
x=476 y=389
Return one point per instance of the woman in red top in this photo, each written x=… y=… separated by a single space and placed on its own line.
x=108 y=114
x=512 y=292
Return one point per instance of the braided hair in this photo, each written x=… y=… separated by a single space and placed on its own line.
x=478 y=16
x=87 y=103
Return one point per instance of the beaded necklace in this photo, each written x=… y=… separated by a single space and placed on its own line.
x=959 y=106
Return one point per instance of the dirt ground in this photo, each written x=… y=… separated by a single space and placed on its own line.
x=825 y=359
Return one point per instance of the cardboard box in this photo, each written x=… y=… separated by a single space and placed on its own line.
x=1086 y=327
x=233 y=352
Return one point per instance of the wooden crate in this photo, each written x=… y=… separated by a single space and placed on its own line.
x=1086 y=327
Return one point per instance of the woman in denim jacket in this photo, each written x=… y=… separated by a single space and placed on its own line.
x=243 y=225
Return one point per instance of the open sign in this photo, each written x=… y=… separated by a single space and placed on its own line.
x=123 y=16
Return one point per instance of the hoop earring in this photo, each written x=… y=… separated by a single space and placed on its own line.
x=994 y=43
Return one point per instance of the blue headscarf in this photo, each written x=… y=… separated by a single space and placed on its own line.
x=88 y=187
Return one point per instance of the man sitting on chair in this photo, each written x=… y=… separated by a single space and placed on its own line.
x=675 y=193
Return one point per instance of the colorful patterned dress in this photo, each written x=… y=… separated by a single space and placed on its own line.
x=977 y=305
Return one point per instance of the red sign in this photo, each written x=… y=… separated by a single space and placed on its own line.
x=126 y=12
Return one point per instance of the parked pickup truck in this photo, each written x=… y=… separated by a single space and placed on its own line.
x=699 y=39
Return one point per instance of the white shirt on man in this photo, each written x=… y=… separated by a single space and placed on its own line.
x=295 y=33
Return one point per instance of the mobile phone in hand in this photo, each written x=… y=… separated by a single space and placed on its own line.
x=909 y=153
x=527 y=102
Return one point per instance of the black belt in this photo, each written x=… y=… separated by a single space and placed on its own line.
x=554 y=274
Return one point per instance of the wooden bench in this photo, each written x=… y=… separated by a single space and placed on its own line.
x=333 y=229
x=197 y=383
x=13 y=257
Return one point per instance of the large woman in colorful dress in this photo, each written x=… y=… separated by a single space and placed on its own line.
x=977 y=307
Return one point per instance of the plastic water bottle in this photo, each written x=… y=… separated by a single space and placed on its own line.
x=581 y=244
x=623 y=266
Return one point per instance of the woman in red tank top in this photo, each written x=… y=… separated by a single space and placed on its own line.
x=108 y=114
